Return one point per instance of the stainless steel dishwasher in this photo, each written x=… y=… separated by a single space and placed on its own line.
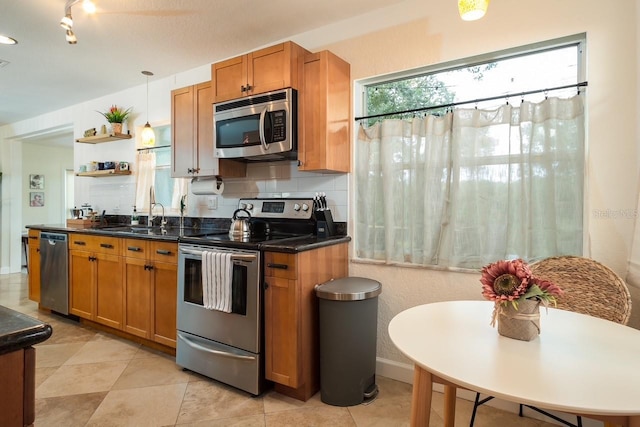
x=54 y=272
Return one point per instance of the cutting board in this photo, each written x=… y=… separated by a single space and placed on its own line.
x=79 y=223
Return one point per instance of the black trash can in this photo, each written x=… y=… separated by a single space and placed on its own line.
x=348 y=327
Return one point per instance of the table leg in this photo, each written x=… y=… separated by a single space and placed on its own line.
x=421 y=398
x=449 y=405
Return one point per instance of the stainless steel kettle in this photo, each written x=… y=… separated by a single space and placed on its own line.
x=240 y=226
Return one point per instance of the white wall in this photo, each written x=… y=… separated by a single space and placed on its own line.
x=419 y=33
x=51 y=162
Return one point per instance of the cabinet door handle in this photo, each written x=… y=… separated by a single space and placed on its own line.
x=243 y=89
x=248 y=88
x=189 y=170
x=79 y=243
x=134 y=248
x=106 y=245
x=92 y=258
x=266 y=286
x=163 y=252
x=280 y=266
x=148 y=267
x=33 y=237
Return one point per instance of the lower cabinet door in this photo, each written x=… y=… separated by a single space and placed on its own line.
x=165 y=296
x=138 y=293
x=81 y=280
x=109 y=290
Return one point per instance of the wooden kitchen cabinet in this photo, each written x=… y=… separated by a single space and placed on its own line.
x=95 y=279
x=151 y=276
x=192 y=152
x=264 y=70
x=34 y=265
x=324 y=114
x=291 y=315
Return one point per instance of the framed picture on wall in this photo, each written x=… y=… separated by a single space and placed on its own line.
x=36 y=182
x=36 y=199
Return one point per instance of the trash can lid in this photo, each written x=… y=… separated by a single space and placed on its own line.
x=349 y=289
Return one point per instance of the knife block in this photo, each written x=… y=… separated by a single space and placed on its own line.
x=324 y=224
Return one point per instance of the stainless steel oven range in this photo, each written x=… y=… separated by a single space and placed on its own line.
x=229 y=346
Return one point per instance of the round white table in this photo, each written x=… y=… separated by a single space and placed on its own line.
x=579 y=364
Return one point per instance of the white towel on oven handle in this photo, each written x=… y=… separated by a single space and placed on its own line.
x=217 y=270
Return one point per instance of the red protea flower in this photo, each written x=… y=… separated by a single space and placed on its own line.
x=505 y=280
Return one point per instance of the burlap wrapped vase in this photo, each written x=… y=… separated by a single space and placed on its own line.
x=521 y=324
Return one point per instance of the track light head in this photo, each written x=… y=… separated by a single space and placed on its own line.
x=71 y=37
x=67 y=22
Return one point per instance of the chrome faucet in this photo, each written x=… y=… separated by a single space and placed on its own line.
x=153 y=204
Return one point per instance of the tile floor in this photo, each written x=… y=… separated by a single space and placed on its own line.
x=90 y=378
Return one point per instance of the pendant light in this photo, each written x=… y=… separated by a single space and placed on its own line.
x=471 y=10
x=148 y=135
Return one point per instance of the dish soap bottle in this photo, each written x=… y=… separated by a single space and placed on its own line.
x=134 y=217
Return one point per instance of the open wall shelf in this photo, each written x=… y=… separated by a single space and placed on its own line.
x=104 y=138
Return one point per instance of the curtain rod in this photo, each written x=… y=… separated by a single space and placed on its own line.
x=455 y=104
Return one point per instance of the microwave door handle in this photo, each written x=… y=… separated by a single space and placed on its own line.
x=263 y=116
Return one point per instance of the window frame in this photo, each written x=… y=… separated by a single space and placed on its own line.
x=360 y=110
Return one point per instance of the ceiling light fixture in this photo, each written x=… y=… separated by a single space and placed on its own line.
x=148 y=135
x=471 y=10
x=7 y=40
x=67 y=20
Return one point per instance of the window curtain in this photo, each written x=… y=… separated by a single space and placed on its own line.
x=472 y=186
x=180 y=188
x=146 y=174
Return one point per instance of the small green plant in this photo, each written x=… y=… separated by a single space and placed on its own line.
x=116 y=114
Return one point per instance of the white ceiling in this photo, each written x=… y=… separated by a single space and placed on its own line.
x=45 y=73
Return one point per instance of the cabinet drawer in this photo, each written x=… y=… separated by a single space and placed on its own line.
x=164 y=252
x=100 y=244
x=277 y=264
x=135 y=248
x=34 y=238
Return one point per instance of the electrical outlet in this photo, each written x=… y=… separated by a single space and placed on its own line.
x=212 y=203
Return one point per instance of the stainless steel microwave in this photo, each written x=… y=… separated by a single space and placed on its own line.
x=257 y=128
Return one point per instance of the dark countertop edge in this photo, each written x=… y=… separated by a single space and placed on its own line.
x=18 y=330
x=110 y=233
x=305 y=244
x=25 y=338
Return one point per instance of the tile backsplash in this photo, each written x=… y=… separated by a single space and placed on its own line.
x=274 y=179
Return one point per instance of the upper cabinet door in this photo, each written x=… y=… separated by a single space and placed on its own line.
x=207 y=165
x=229 y=78
x=265 y=70
x=182 y=132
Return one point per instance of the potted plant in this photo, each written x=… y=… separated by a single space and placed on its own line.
x=517 y=295
x=116 y=116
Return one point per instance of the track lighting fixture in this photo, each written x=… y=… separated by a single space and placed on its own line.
x=67 y=20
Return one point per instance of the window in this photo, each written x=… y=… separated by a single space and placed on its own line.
x=490 y=179
x=154 y=169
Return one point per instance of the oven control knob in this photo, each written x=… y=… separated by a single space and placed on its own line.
x=249 y=206
x=305 y=207
x=296 y=207
x=243 y=206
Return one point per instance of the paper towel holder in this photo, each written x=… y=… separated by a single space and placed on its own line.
x=218 y=180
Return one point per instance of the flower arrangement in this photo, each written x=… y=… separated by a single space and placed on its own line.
x=511 y=281
x=116 y=114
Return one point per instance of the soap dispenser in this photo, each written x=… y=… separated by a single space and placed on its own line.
x=134 y=217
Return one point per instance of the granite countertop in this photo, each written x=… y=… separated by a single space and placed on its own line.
x=175 y=234
x=18 y=330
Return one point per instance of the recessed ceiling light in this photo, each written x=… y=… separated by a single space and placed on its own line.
x=7 y=40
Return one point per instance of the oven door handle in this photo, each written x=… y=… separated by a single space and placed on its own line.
x=209 y=350
x=243 y=257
